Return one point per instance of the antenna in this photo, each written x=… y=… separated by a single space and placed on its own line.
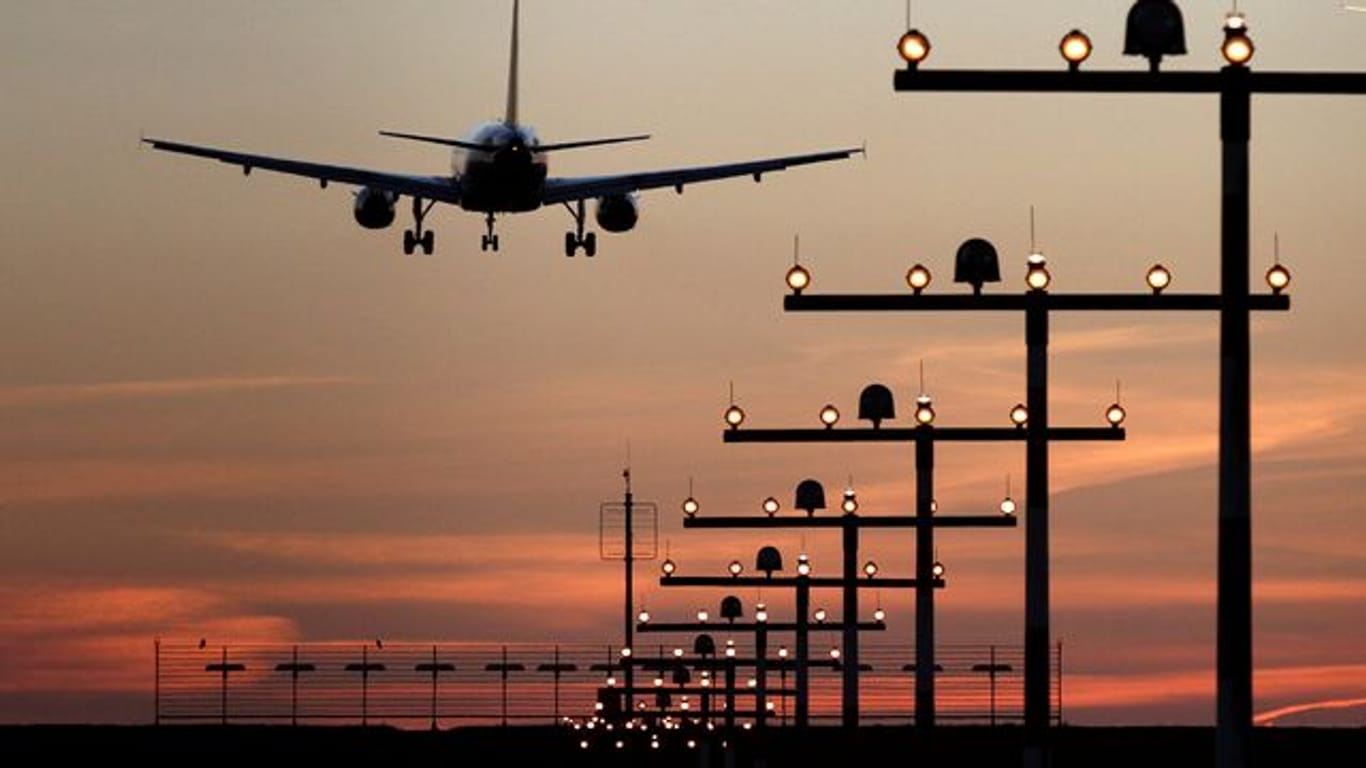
x=732 y=392
x=796 y=248
x=1007 y=484
x=1276 y=248
x=908 y=14
x=1117 y=384
x=922 y=375
x=1032 y=247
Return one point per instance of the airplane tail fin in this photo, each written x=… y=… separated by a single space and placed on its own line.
x=511 y=116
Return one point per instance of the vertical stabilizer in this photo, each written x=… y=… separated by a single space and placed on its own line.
x=511 y=117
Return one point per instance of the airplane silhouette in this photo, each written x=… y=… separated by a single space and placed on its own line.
x=501 y=167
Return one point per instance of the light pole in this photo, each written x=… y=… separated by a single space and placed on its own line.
x=977 y=264
x=1155 y=29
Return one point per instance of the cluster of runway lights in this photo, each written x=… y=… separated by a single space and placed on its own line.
x=1075 y=46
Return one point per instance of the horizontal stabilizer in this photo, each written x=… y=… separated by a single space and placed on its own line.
x=471 y=145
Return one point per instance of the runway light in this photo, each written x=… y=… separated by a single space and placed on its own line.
x=1019 y=415
x=870 y=569
x=850 y=503
x=820 y=616
x=924 y=410
x=643 y=617
x=690 y=506
x=1115 y=414
x=1037 y=277
x=914 y=48
x=1237 y=48
x=1278 y=277
x=626 y=652
x=771 y=506
x=879 y=615
x=798 y=279
x=735 y=568
x=803 y=565
x=782 y=652
x=1008 y=506
x=761 y=613
x=735 y=416
x=1075 y=48
x=668 y=567
x=702 y=615
x=611 y=682
x=918 y=278
x=830 y=416
x=1159 y=277
x=678 y=653
x=937 y=569
x=835 y=653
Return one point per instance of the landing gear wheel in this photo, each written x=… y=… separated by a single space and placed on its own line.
x=571 y=244
x=590 y=244
x=428 y=242
x=409 y=242
x=489 y=243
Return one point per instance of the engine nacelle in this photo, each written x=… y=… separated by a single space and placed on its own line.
x=617 y=213
x=375 y=208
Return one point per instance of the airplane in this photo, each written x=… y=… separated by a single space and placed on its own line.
x=501 y=167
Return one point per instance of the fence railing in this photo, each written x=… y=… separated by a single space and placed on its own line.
x=415 y=685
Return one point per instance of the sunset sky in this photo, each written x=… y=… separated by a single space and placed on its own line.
x=229 y=412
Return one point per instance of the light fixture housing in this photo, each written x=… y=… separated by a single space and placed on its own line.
x=1008 y=506
x=870 y=569
x=850 y=502
x=734 y=416
x=702 y=615
x=918 y=278
x=1237 y=47
x=937 y=570
x=924 y=410
x=1075 y=48
x=667 y=567
x=819 y=615
x=830 y=415
x=1038 y=277
x=1159 y=277
x=879 y=615
x=1115 y=414
x=643 y=617
x=914 y=48
x=690 y=506
x=735 y=568
x=803 y=565
x=798 y=279
x=1019 y=415
x=771 y=506
x=1278 y=277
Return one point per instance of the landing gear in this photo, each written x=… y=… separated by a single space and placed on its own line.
x=490 y=240
x=414 y=237
x=577 y=239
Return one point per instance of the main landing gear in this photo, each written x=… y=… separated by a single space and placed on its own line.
x=490 y=240
x=414 y=237
x=577 y=239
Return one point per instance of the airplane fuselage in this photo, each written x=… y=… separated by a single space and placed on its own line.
x=510 y=177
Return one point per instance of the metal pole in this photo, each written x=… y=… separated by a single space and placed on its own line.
x=730 y=693
x=364 y=685
x=434 y=676
x=557 y=685
x=629 y=617
x=803 y=714
x=294 y=687
x=850 y=664
x=992 y=679
x=156 y=682
x=1037 y=631
x=1233 y=739
x=223 y=696
x=924 y=586
x=505 y=686
x=761 y=675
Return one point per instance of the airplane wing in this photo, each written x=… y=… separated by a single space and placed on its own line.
x=439 y=188
x=563 y=190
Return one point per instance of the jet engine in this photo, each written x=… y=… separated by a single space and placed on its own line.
x=375 y=208
x=617 y=213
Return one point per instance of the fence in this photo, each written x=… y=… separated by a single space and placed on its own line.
x=411 y=684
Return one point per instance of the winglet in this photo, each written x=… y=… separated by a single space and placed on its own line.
x=511 y=116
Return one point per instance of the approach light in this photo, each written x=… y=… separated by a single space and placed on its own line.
x=1115 y=414
x=914 y=48
x=870 y=569
x=830 y=416
x=835 y=654
x=1019 y=415
x=850 y=503
x=879 y=614
x=924 y=410
x=735 y=416
x=1237 y=48
x=1278 y=277
x=730 y=649
x=1038 y=277
x=735 y=568
x=643 y=617
x=782 y=652
x=1008 y=506
x=626 y=652
x=667 y=567
x=1075 y=48
x=771 y=506
x=819 y=615
x=678 y=653
x=702 y=615
x=937 y=569
x=798 y=279
x=761 y=613
x=803 y=565
x=1159 y=277
x=918 y=278
x=690 y=506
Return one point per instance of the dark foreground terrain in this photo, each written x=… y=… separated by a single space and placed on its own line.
x=873 y=746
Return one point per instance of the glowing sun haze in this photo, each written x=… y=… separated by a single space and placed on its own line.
x=231 y=413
